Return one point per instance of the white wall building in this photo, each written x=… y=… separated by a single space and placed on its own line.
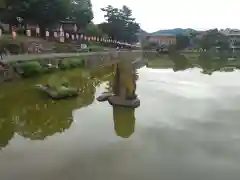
x=234 y=37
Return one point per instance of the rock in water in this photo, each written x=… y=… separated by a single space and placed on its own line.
x=104 y=96
x=119 y=101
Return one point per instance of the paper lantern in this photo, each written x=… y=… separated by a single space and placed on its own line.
x=67 y=35
x=61 y=34
x=47 y=33
x=28 y=32
x=73 y=37
x=55 y=34
x=61 y=29
x=37 y=30
x=14 y=34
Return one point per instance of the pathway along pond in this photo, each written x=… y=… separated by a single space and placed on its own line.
x=187 y=126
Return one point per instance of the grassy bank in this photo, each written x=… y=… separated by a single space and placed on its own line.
x=37 y=67
x=23 y=44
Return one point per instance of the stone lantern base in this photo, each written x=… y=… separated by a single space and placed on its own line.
x=119 y=101
x=104 y=96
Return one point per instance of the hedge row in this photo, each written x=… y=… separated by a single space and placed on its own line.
x=33 y=68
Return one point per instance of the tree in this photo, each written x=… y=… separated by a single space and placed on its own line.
x=120 y=25
x=182 y=42
x=93 y=30
x=46 y=13
x=81 y=12
x=42 y=12
x=212 y=39
x=2 y=3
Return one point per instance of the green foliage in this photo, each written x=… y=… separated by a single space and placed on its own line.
x=180 y=61
x=149 y=45
x=213 y=39
x=65 y=65
x=81 y=12
x=182 y=42
x=75 y=62
x=119 y=24
x=7 y=44
x=47 y=13
x=43 y=12
x=30 y=68
x=70 y=63
x=2 y=3
x=93 y=30
x=56 y=81
x=62 y=91
x=20 y=31
x=60 y=87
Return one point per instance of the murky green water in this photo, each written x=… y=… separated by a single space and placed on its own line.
x=187 y=126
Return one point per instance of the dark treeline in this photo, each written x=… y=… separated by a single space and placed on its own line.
x=119 y=24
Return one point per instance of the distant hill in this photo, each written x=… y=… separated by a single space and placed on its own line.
x=144 y=32
x=175 y=31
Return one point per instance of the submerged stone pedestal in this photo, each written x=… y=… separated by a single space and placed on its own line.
x=119 y=101
x=104 y=96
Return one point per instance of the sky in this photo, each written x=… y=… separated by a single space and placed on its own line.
x=153 y=15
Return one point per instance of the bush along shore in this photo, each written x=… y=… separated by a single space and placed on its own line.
x=35 y=67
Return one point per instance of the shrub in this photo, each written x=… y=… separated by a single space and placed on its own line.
x=75 y=62
x=64 y=65
x=70 y=63
x=21 y=31
x=14 y=47
x=30 y=68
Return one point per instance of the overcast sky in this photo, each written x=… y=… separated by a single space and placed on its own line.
x=154 y=15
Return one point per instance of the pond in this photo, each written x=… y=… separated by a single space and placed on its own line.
x=187 y=126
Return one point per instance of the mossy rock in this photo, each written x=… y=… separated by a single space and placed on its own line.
x=70 y=63
x=60 y=92
x=28 y=69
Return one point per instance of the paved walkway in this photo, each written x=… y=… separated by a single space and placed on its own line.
x=27 y=57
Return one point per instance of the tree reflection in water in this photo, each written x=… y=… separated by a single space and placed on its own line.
x=208 y=62
x=35 y=117
x=6 y=132
x=180 y=61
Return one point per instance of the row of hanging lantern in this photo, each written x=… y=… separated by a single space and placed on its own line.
x=74 y=36
x=65 y=35
x=88 y=38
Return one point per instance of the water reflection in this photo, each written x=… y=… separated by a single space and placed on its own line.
x=208 y=62
x=124 y=86
x=124 y=121
x=123 y=98
x=33 y=115
x=180 y=61
x=6 y=131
